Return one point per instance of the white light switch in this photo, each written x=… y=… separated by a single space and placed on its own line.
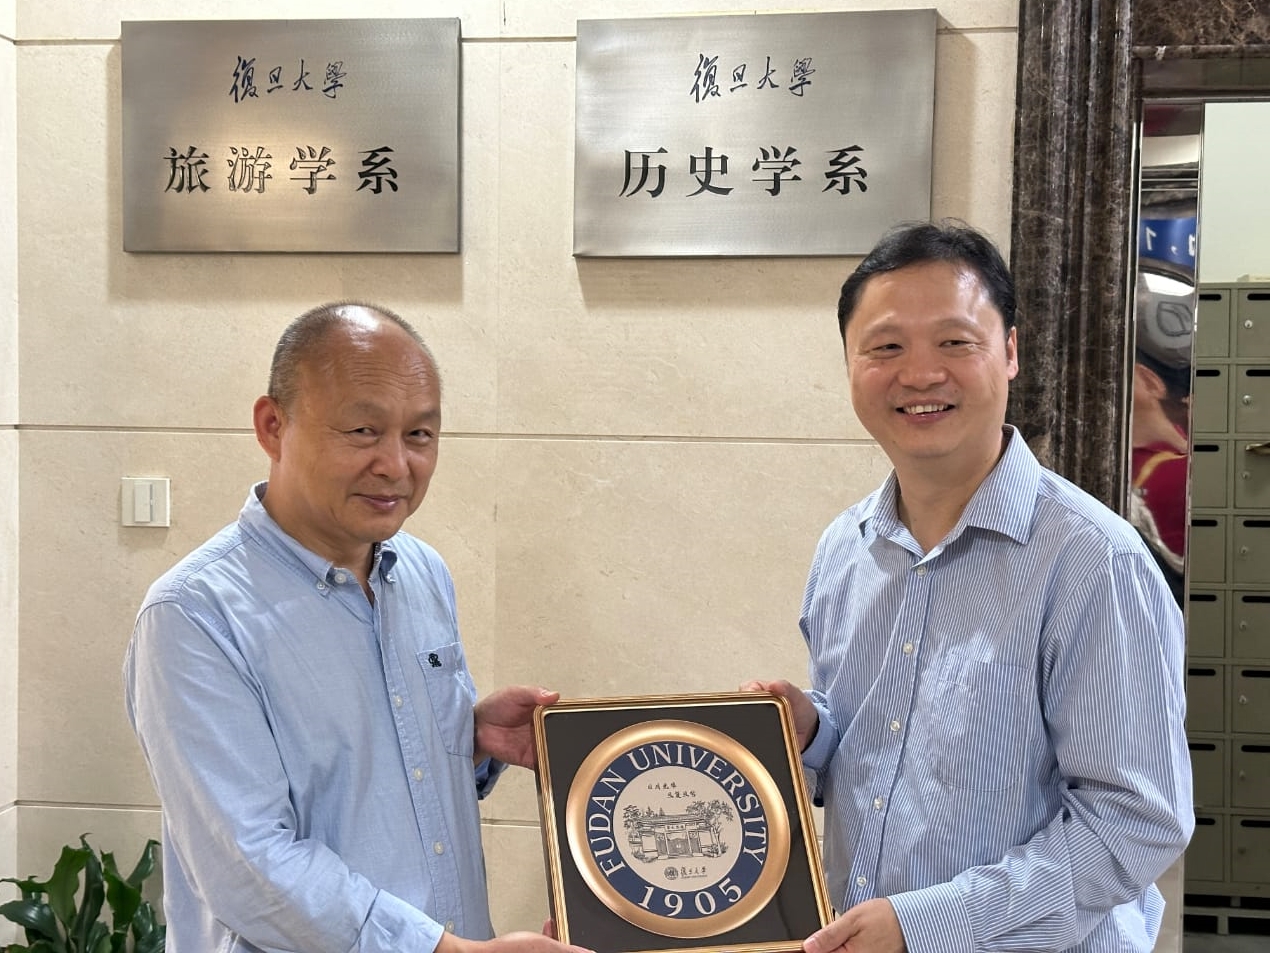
x=145 y=501
x=142 y=501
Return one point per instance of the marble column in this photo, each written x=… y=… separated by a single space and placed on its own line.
x=1078 y=100
x=1070 y=236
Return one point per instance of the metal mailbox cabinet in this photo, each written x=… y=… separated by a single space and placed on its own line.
x=1228 y=600
x=1210 y=473
x=1206 y=625
x=1250 y=629
x=1252 y=486
x=1252 y=322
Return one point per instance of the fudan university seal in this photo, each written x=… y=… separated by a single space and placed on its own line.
x=677 y=828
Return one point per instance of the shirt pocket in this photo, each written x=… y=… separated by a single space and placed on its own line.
x=451 y=693
x=982 y=715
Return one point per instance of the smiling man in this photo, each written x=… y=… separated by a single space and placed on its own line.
x=996 y=712
x=299 y=688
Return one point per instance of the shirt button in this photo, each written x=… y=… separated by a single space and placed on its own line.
x=438 y=848
x=449 y=926
x=908 y=648
x=322 y=586
x=418 y=772
x=895 y=726
x=877 y=803
x=397 y=701
x=921 y=570
x=862 y=881
x=341 y=578
x=390 y=578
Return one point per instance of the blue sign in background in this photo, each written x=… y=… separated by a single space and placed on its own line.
x=1168 y=239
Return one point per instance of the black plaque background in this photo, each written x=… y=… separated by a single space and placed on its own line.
x=571 y=734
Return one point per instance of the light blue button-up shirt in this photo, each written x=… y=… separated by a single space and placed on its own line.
x=312 y=752
x=1001 y=748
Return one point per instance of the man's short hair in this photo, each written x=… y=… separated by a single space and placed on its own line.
x=916 y=243
x=304 y=338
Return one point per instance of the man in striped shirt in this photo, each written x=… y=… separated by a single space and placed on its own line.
x=996 y=712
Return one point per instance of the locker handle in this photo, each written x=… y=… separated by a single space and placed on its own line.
x=1258 y=449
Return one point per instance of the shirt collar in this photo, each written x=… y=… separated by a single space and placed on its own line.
x=257 y=523
x=1004 y=503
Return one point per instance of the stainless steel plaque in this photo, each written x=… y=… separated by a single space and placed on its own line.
x=786 y=134
x=291 y=135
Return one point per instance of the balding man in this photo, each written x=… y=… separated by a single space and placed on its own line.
x=299 y=688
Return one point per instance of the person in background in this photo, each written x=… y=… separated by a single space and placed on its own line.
x=299 y=689
x=995 y=719
x=1160 y=421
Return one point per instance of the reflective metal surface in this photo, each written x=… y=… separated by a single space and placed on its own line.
x=1164 y=309
x=291 y=135
x=788 y=134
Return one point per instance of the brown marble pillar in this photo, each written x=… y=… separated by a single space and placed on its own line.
x=1070 y=238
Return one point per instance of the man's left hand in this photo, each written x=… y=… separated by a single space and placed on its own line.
x=869 y=927
x=504 y=723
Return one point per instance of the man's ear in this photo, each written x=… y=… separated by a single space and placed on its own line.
x=269 y=420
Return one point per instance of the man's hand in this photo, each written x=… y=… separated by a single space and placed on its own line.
x=519 y=942
x=869 y=927
x=504 y=724
x=806 y=718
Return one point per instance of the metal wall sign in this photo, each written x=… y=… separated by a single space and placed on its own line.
x=787 y=134
x=291 y=135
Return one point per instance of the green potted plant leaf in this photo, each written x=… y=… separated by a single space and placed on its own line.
x=64 y=915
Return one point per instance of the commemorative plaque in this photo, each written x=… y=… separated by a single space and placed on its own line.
x=674 y=823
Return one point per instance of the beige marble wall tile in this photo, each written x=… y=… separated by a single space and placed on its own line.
x=8 y=625
x=646 y=567
x=670 y=347
x=8 y=232
x=71 y=19
x=515 y=798
x=560 y=18
x=974 y=130
x=66 y=19
x=85 y=575
x=199 y=330
x=649 y=566
x=516 y=873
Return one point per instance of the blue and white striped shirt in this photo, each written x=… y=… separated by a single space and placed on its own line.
x=1001 y=748
x=312 y=751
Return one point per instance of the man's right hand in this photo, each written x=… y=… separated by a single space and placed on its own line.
x=806 y=718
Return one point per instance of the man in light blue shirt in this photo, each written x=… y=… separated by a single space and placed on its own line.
x=299 y=688
x=996 y=714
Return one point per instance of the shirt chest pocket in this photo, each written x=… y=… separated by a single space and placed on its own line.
x=982 y=714
x=451 y=695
